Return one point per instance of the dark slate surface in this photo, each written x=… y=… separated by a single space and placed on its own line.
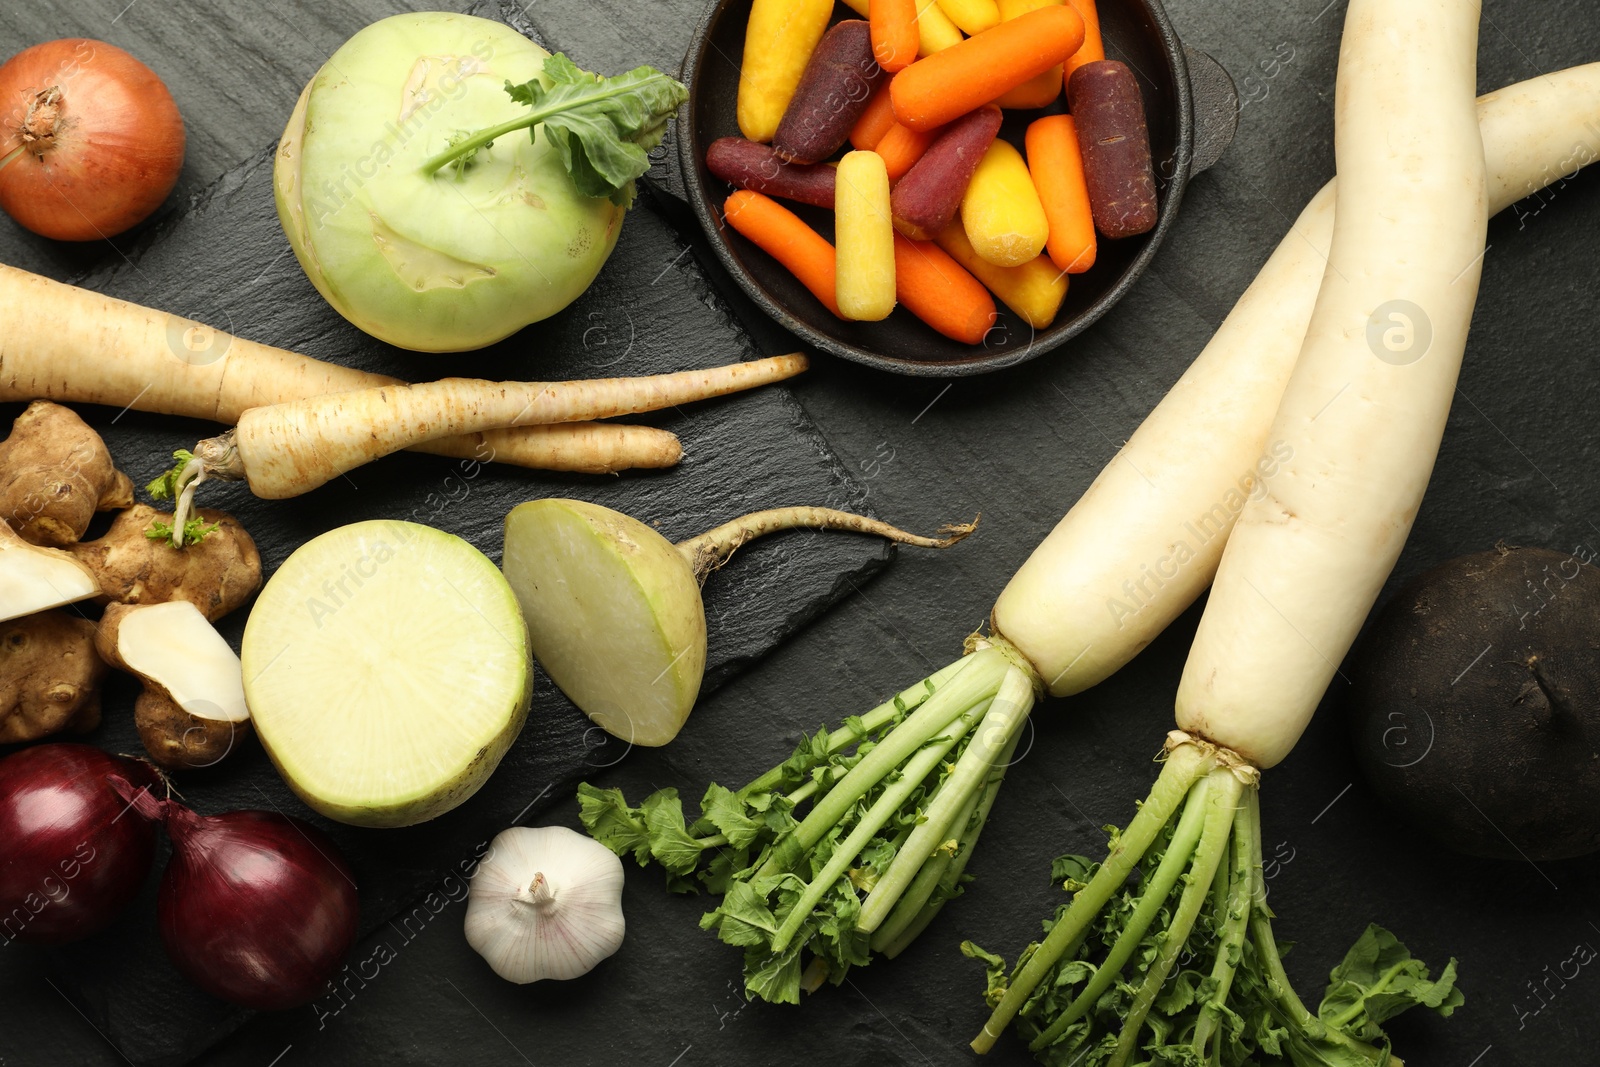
x=1518 y=464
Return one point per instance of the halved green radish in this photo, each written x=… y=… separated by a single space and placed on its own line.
x=387 y=669
x=614 y=610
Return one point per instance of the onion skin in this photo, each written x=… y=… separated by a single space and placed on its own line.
x=256 y=908
x=74 y=853
x=101 y=140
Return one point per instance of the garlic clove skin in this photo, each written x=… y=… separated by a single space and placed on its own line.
x=545 y=902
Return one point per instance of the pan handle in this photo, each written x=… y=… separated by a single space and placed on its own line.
x=1216 y=108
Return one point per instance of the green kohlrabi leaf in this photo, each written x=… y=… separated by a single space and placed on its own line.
x=603 y=128
x=723 y=809
x=670 y=843
x=608 y=818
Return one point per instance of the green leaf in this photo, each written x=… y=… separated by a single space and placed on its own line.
x=723 y=809
x=1377 y=980
x=608 y=818
x=166 y=486
x=194 y=530
x=775 y=979
x=670 y=842
x=743 y=918
x=603 y=128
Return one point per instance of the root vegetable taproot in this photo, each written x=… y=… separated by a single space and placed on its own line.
x=1001 y=211
x=948 y=84
x=778 y=42
x=971 y=16
x=894 y=33
x=55 y=473
x=865 y=233
x=901 y=148
x=747 y=165
x=284 y=450
x=1114 y=143
x=784 y=236
x=1056 y=164
x=614 y=611
x=930 y=193
x=50 y=676
x=1082 y=606
x=1041 y=90
x=939 y=291
x=1093 y=48
x=1033 y=290
x=192 y=711
x=875 y=120
x=135 y=563
x=68 y=344
x=838 y=83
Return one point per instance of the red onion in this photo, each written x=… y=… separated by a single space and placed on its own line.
x=73 y=853
x=90 y=140
x=256 y=907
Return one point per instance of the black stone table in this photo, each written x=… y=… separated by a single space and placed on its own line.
x=1518 y=464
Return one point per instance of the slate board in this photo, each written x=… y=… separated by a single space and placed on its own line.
x=225 y=261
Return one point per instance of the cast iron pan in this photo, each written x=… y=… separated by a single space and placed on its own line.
x=1192 y=110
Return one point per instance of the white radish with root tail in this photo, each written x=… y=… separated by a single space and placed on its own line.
x=1065 y=622
x=1362 y=423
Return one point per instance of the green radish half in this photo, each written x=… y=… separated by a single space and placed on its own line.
x=387 y=668
x=614 y=609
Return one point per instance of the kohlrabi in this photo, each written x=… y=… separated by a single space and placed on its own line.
x=420 y=208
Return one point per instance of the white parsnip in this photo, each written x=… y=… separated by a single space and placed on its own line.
x=1365 y=409
x=68 y=344
x=284 y=450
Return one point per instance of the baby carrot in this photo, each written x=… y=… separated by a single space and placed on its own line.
x=894 y=33
x=935 y=31
x=1093 y=48
x=951 y=83
x=1001 y=211
x=778 y=43
x=875 y=121
x=1056 y=163
x=972 y=16
x=865 y=273
x=1041 y=89
x=901 y=148
x=779 y=233
x=1034 y=290
x=860 y=7
x=936 y=289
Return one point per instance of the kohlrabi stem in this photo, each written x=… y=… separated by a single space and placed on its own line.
x=902 y=702
x=1153 y=896
x=976 y=683
x=942 y=874
x=891 y=801
x=1234 y=923
x=464 y=149
x=1185 y=764
x=1221 y=803
x=711 y=549
x=1010 y=708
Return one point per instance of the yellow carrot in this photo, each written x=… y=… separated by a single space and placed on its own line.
x=1042 y=89
x=1001 y=211
x=779 y=40
x=1034 y=290
x=1056 y=162
x=935 y=31
x=972 y=16
x=864 y=238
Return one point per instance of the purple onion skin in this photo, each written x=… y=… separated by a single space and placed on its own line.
x=256 y=907
x=73 y=853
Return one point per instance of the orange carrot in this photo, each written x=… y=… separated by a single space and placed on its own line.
x=901 y=148
x=1093 y=48
x=948 y=84
x=1056 y=163
x=1040 y=90
x=894 y=33
x=779 y=233
x=875 y=121
x=937 y=290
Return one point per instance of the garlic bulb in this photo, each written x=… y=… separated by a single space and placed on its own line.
x=546 y=902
